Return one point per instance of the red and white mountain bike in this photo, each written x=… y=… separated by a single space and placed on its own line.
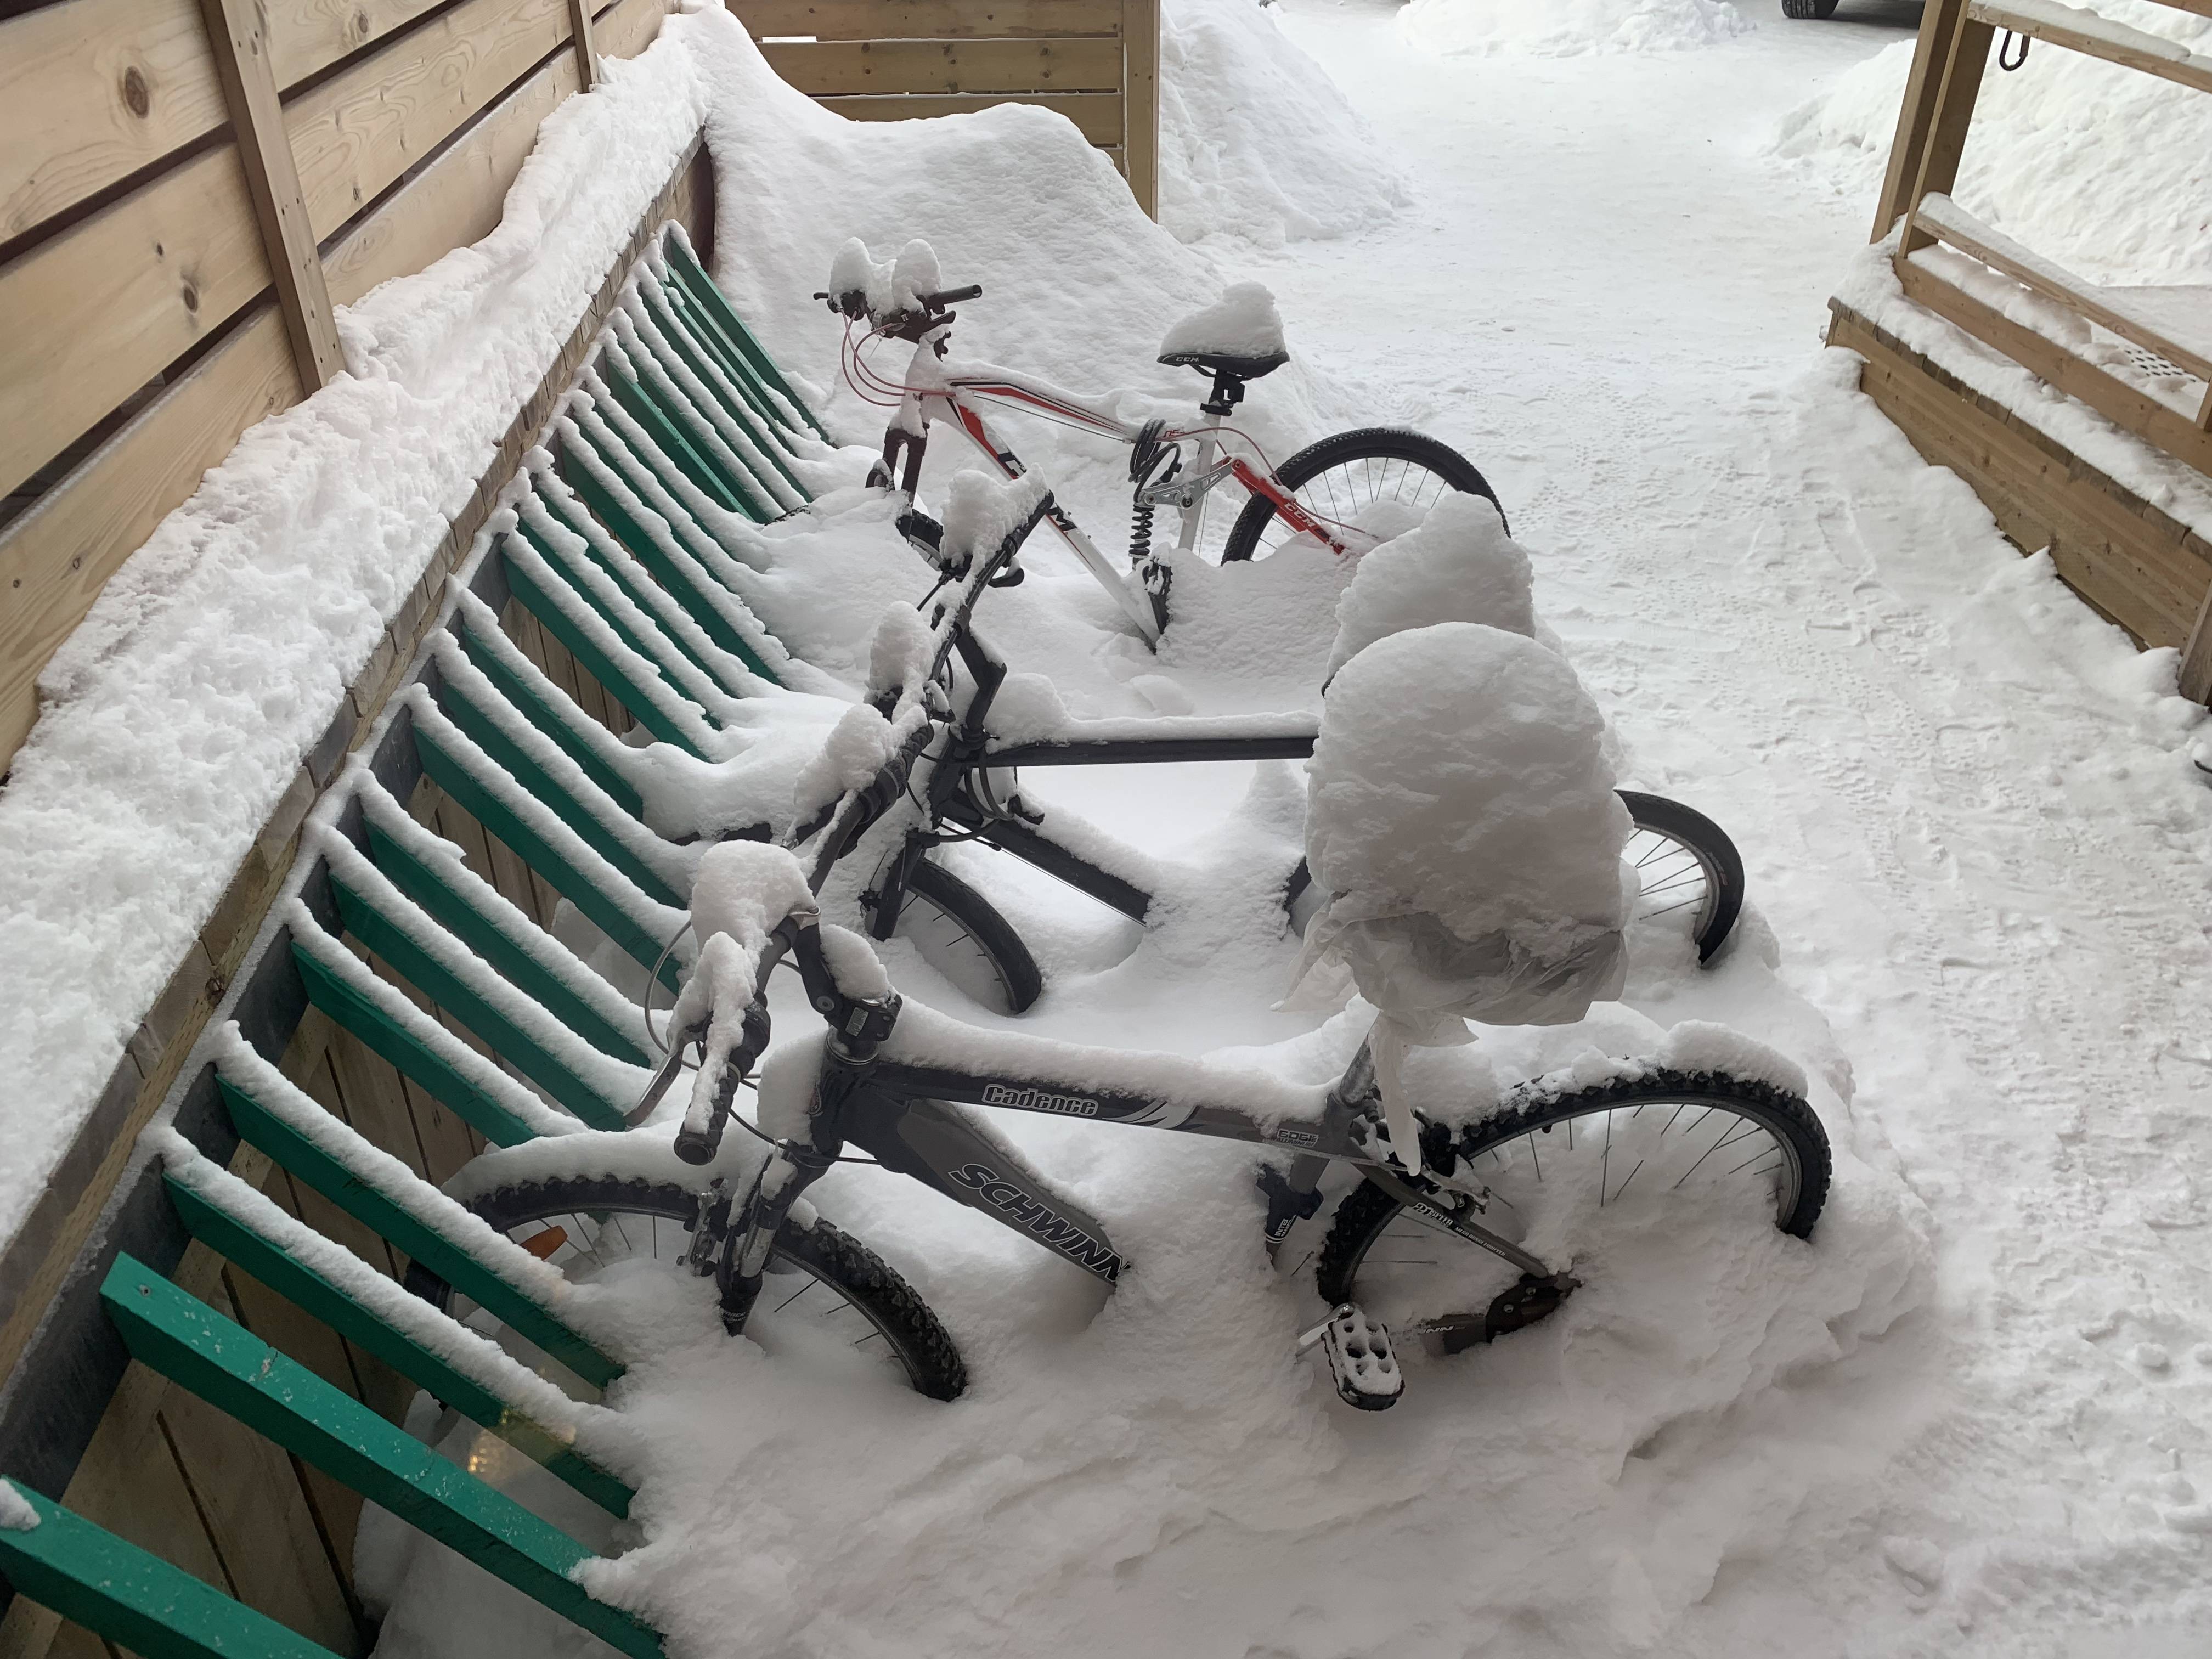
x=1348 y=492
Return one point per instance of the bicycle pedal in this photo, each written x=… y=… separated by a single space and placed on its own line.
x=1360 y=1360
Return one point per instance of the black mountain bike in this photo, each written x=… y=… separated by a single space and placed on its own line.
x=900 y=1082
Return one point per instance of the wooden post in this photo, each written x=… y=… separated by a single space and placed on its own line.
x=580 y=27
x=1951 y=114
x=2196 y=655
x=238 y=34
x=1140 y=101
x=1931 y=52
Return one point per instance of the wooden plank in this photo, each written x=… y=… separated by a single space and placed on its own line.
x=2190 y=70
x=929 y=19
x=1097 y=115
x=2127 y=560
x=2136 y=411
x=1140 y=102
x=580 y=36
x=215 y=1361
x=148 y=278
x=91 y=91
x=361 y=129
x=306 y=36
x=1967 y=57
x=2197 y=654
x=1916 y=116
x=625 y=29
x=239 y=34
x=138 y=1598
x=845 y=67
x=1952 y=224
x=56 y=558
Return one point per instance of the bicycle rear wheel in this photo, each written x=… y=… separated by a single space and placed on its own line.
x=1689 y=868
x=1379 y=480
x=1602 y=1166
x=830 y=1301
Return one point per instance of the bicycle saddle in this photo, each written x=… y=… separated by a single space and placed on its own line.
x=1239 y=337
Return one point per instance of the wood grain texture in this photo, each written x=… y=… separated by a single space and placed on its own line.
x=306 y=36
x=929 y=19
x=1097 y=115
x=2142 y=569
x=56 y=558
x=93 y=90
x=1140 y=102
x=1916 y=115
x=836 y=67
x=1966 y=56
x=238 y=35
x=117 y=298
x=359 y=130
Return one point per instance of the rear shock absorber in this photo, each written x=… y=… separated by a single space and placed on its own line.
x=1151 y=464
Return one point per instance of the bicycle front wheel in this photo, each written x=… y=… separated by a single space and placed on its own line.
x=829 y=1302
x=1379 y=481
x=1569 y=1176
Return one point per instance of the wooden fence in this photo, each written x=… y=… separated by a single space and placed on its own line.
x=2139 y=567
x=187 y=187
x=1096 y=62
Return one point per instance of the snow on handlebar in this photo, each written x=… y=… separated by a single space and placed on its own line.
x=861 y=286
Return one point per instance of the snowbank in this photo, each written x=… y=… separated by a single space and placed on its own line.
x=1256 y=142
x=1567 y=28
x=2103 y=169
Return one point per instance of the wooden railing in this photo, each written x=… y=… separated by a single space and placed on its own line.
x=1095 y=61
x=187 y=189
x=1947 y=68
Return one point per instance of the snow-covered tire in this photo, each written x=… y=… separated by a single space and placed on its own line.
x=1366 y=1214
x=1815 y=10
x=924 y=1350
x=1343 y=451
x=1003 y=976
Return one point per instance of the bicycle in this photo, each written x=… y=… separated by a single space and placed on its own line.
x=1323 y=491
x=892 y=1079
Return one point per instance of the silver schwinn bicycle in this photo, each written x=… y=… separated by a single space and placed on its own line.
x=1432 y=1241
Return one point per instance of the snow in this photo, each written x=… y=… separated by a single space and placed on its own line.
x=1562 y=28
x=1456 y=565
x=1966 y=1419
x=16 y=1514
x=981 y=512
x=2094 y=165
x=1258 y=145
x=1242 y=322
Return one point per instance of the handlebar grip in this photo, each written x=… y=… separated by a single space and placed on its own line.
x=951 y=296
x=699 y=1148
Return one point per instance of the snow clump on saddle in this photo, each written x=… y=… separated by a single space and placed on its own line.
x=1456 y=565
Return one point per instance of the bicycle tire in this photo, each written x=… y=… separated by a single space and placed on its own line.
x=1365 y=1216
x=997 y=946
x=1702 y=841
x=1718 y=860
x=1814 y=11
x=924 y=1350
x=1344 y=450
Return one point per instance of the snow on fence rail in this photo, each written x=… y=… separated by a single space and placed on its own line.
x=2111 y=543
x=1096 y=62
x=168 y=169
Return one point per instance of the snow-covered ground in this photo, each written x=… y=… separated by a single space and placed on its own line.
x=1972 y=1418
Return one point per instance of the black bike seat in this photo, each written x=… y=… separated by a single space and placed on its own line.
x=1217 y=362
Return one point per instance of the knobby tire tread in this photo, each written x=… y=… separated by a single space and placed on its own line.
x=864 y=1278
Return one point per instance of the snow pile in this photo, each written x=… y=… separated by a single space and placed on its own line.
x=982 y=514
x=1463 y=821
x=1255 y=140
x=1567 y=28
x=1242 y=322
x=1456 y=565
x=2102 y=169
x=16 y=1514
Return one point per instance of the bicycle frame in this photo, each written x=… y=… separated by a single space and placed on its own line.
x=949 y=390
x=902 y=1106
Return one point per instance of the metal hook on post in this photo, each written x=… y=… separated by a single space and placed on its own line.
x=2004 y=46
